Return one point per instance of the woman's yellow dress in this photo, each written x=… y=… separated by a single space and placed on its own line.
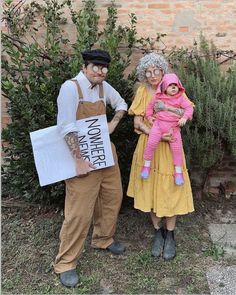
x=159 y=192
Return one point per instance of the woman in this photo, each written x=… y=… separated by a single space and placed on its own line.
x=158 y=194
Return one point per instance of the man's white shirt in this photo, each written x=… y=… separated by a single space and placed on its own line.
x=68 y=101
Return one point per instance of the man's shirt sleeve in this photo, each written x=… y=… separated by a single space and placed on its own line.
x=67 y=103
x=114 y=99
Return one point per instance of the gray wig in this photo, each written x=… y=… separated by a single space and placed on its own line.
x=149 y=60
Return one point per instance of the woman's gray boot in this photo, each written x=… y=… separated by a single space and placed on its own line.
x=169 y=251
x=158 y=242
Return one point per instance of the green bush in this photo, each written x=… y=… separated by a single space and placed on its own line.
x=33 y=72
x=213 y=91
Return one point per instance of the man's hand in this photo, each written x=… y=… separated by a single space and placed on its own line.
x=182 y=122
x=83 y=167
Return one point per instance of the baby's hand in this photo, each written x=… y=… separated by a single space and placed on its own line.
x=182 y=122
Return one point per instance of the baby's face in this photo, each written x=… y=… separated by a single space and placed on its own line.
x=172 y=89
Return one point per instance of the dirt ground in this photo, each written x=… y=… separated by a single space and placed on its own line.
x=30 y=243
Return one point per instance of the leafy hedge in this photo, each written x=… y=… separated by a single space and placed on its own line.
x=213 y=91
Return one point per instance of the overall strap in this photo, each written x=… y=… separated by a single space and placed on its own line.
x=101 y=91
x=79 y=89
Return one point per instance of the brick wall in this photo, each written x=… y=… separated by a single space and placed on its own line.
x=220 y=182
x=182 y=21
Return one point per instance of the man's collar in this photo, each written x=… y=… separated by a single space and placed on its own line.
x=87 y=83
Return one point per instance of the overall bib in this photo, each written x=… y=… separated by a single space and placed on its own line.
x=96 y=197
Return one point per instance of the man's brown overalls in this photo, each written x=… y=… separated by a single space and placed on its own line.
x=96 y=197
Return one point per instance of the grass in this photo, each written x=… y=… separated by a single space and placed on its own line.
x=215 y=251
x=30 y=243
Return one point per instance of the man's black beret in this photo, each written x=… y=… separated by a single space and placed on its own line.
x=97 y=56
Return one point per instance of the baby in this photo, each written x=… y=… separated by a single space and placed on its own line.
x=170 y=95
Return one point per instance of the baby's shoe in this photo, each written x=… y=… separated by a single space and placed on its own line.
x=179 y=178
x=145 y=172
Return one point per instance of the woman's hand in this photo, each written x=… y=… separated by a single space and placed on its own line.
x=140 y=125
x=167 y=136
x=151 y=119
x=159 y=106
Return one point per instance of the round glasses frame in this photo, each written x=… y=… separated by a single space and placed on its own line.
x=96 y=69
x=154 y=73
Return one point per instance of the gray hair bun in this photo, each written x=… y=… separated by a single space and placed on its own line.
x=149 y=60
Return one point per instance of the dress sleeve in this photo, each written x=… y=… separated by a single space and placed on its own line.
x=137 y=107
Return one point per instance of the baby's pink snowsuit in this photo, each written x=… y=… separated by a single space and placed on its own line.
x=167 y=121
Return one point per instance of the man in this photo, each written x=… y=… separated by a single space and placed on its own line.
x=94 y=194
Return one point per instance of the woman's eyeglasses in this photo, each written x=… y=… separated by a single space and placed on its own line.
x=154 y=73
x=103 y=70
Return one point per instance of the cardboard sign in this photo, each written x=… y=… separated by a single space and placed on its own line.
x=53 y=158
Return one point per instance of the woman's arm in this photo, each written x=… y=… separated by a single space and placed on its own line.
x=178 y=111
x=139 y=125
x=161 y=106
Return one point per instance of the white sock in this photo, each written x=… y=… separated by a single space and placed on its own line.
x=147 y=163
x=178 y=169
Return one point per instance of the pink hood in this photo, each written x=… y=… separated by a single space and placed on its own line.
x=177 y=101
x=166 y=81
